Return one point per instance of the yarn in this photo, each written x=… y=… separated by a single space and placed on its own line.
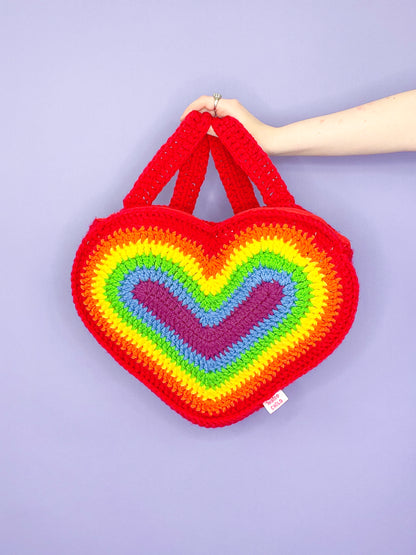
x=214 y=317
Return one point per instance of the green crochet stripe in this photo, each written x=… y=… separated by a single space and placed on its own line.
x=210 y=301
x=213 y=379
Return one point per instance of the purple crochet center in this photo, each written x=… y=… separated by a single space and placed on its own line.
x=209 y=341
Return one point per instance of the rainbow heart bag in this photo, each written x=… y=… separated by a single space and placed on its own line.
x=214 y=318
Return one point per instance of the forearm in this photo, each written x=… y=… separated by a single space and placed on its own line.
x=385 y=125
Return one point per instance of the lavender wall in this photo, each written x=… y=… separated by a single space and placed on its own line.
x=91 y=461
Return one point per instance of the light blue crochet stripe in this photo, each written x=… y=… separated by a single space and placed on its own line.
x=233 y=352
x=211 y=317
x=224 y=359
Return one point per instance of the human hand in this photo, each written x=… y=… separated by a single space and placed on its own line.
x=230 y=107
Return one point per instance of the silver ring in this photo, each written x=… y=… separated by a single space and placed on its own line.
x=217 y=97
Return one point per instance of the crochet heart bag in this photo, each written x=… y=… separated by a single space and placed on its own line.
x=214 y=317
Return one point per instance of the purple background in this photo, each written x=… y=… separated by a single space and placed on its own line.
x=91 y=461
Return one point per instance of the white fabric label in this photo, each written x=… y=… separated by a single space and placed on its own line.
x=275 y=402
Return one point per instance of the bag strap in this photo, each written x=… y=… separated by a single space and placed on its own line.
x=168 y=159
x=243 y=149
x=191 y=175
x=254 y=162
x=190 y=178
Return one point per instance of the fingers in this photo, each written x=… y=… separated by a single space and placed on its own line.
x=225 y=107
x=204 y=103
x=228 y=107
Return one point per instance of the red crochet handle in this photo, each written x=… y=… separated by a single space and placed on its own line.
x=191 y=175
x=187 y=150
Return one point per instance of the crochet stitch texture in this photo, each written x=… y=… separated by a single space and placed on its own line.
x=215 y=317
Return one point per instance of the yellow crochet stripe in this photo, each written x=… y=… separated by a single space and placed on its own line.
x=214 y=284
x=188 y=381
x=239 y=256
